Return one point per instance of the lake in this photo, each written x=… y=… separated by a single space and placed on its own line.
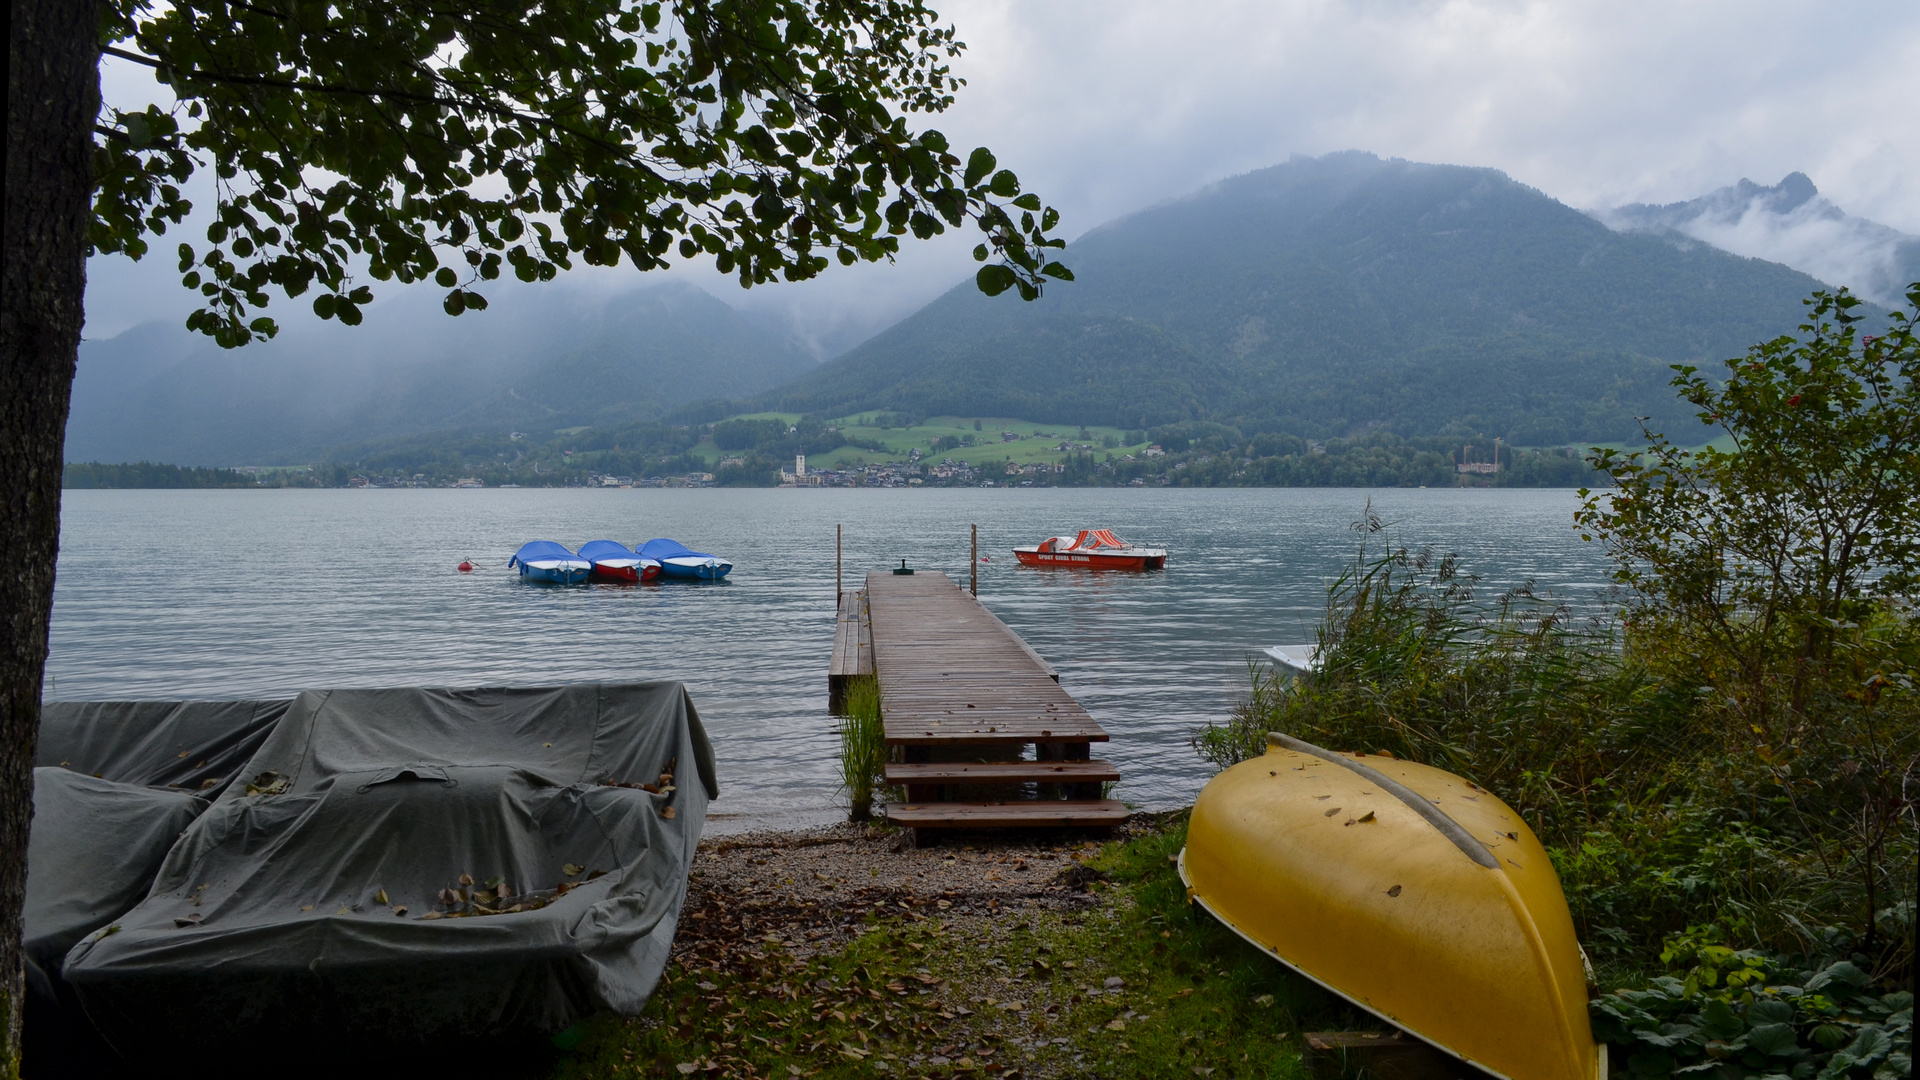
x=240 y=594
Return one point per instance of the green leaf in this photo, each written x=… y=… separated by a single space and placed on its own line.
x=455 y=303
x=979 y=164
x=1057 y=271
x=446 y=278
x=1004 y=184
x=995 y=279
x=980 y=253
x=1029 y=201
x=1772 y=1039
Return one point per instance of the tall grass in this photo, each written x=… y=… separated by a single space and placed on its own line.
x=863 y=747
x=1668 y=813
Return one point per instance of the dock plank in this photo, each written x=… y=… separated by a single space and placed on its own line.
x=1028 y=813
x=951 y=672
x=1003 y=772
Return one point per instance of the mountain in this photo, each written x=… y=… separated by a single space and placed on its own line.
x=1327 y=297
x=539 y=358
x=1791 y=223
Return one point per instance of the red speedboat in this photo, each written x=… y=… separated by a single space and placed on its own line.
x=1093 y=549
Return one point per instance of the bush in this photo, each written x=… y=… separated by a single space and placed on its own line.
x=1739 y=1014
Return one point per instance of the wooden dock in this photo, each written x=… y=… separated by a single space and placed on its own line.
x=961 y=698
x=852 y=649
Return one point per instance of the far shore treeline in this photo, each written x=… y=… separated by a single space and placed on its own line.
x=149 y=474
x=753 y=453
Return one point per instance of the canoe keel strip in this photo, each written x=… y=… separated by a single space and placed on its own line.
x=1349 y=869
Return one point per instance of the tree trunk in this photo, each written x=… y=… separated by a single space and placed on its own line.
x=53 y=98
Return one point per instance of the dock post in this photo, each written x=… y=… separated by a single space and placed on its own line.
x=837 y=589
x=973 y=565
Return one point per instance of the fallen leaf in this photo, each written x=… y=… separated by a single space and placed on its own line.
x=668 y=812
x=706 y=986
x=1116 y=1025
x=1264 y=1000
x=1395 y=891
x=189 y=920
x=1331 y=812
x=687 y=1068
x=380 y=897
x=1366 y=817
x=572 y=869
x=1014 y=1006
x=503 y=889
x=400 y=909
x=466 y=879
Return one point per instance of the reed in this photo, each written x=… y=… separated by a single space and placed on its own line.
x=863 y=748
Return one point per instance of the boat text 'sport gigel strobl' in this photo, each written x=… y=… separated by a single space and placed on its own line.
x=1093 y=549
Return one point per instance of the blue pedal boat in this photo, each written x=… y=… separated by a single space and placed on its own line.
x=678 y=562
x=544 y=560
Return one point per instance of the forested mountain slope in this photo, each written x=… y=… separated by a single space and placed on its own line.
x=1329 y=296
x=540 y=358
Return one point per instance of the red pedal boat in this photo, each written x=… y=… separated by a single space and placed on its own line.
x=1093 y=549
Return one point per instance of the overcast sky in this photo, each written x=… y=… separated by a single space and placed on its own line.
x=1110 y=106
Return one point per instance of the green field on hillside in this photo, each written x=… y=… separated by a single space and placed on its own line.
x=940 y=437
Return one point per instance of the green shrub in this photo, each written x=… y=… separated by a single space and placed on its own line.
x=1739 y=1014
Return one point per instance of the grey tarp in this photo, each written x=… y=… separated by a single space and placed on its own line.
x=94 y=849
x=193 y=745
x=267 y=924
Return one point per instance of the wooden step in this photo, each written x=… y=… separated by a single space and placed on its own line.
x=1002 y=772
x=1022 y=813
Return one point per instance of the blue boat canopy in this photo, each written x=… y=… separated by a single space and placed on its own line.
x=662 y=550
x=601 y=550
x=540 y=549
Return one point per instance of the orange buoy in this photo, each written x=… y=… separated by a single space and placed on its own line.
x=465 y=567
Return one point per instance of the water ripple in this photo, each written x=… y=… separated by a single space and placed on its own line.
x=230 y=594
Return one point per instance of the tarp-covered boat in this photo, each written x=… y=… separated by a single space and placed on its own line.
x=1405 y=889
x=678 y=562
x=1093 y=549
x=614 y=561
x=544 y=560
x=407 y=864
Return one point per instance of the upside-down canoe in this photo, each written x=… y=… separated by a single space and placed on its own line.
x=1407 y=890
x=545 y=560
x=1093 y=549
x=614 y=561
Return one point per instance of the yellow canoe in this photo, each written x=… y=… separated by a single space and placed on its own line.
x=1407 y=890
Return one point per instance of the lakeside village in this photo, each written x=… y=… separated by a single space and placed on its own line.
x=1136 y=469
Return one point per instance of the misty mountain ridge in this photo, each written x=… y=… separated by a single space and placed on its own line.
x=539 y=358
x=1330 y=296
x=1789 y=223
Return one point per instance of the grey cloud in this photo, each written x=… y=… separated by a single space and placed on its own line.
x=1108 y=106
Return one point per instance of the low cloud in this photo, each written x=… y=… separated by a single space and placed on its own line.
x=1109 y=106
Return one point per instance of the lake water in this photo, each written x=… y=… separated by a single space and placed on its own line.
x=239 y=594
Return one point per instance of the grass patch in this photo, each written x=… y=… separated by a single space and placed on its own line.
x=863 y=747
x=921 y=992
